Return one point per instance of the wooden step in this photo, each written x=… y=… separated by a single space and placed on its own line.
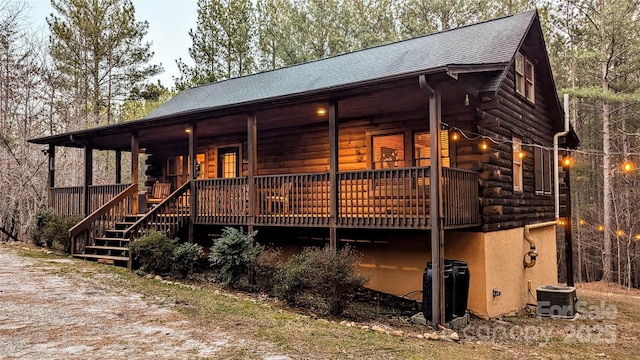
x=114 y=233
x=123 y=225
x=118 y=242
x=105 y=257
x=110 y=248
x=132 y=218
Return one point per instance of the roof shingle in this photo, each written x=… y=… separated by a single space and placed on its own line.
x=490 y=42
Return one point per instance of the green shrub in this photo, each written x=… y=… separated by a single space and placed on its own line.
x=153 y=252
x=185 y=256
x=321 y=278
x=234 y=257
x=52 y=230
x=267 y=266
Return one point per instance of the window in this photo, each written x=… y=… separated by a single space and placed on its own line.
x=517 y=164
x=422 y=148
x=228 y=162
x=388 y=151
x=525 y=77
x=201 y=159
x=543 y=170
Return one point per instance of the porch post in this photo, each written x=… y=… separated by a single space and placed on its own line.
x=435 y=204
x=88 y=178
x=252 y=149
x=118 y=167
x=333 y=170
x=193 y=127
x=135 y=150
x=568 y=234
x=51 y=175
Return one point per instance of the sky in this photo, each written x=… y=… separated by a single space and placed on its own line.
x=169 y=24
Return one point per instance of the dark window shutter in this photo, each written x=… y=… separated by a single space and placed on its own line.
x=538 y=165
x=547 y=171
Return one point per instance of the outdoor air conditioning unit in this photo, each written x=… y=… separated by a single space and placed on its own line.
x=557 y=301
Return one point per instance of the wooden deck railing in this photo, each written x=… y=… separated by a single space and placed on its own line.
x=222 y=201
x=105 y=217
x=388 y=198
x=69 y=201
x=167 y=217
x=460 y=199
x=293 y=200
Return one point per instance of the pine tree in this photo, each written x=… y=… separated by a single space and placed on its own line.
x=222 y=43
x=99 y=48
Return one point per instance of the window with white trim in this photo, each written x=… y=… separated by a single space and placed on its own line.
x=517 y=164
x=525 y=77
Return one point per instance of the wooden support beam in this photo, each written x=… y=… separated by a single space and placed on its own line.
x=252 y=157
x=435 y=205
x=568 y=234
x=333 y=171
x=118 y=167
x=51 y=174
x=193 y=136
x=88 y=177
x=135 y=150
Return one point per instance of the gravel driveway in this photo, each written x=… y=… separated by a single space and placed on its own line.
x=45 y=316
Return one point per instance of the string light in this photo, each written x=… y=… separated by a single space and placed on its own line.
x=567 y=161
x=601 y=228
x=582 y=222
x=562 y=222
x=521 y=154
x=637 y=237
x=458 y=133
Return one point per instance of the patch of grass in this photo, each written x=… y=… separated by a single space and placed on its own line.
x=303 y=337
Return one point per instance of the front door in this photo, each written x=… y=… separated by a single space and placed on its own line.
x=228 y=162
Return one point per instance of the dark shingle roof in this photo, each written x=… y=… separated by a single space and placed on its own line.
x=491 y=42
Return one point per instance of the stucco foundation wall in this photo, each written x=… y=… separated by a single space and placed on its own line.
x=504 y=253
x=396 y=266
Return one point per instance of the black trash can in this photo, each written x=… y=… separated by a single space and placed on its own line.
x=427 y=295
x=461 y=278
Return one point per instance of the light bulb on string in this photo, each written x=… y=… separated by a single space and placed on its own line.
x=627 y=166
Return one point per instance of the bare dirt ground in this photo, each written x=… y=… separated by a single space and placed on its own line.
x=45 y=316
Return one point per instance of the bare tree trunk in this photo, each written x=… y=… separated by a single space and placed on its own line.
x=606 y=163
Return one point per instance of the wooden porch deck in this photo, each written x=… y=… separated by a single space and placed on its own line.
x=386 y=199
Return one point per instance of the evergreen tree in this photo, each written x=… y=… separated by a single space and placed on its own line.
x=222 y=43
x=98 y=47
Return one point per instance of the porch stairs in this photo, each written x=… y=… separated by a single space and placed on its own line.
x=113 y=246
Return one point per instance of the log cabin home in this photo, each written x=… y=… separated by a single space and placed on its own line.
x=340 y=150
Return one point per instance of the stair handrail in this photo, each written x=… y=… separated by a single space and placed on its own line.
x=85 y=224
x=128 y=232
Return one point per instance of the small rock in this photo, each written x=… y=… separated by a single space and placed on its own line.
x=420 y=336
x=427 y=336
x=365 y=327
x=454 y=336
x=398 y=333
x=158 y=277
x=376 y=328
x=351 y=324
x=343 y=323
x=48 y=252
x=602 y=355
x=324 y=321
x=435 y=337
x=149 y=276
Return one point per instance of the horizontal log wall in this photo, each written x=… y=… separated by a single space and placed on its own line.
x=510 y=115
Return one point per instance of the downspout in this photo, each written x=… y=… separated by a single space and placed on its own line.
x=532 y=253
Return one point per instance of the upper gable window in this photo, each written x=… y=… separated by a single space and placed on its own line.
x=525 y=77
